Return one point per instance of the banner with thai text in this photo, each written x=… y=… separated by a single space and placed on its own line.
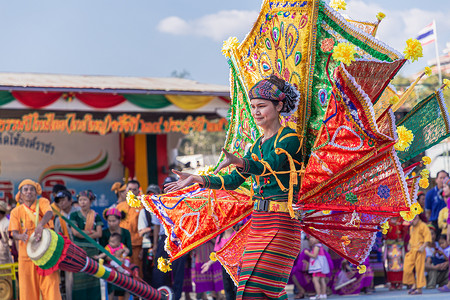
x=124 y=123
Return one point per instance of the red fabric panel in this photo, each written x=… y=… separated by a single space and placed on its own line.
x=128 y=156
x=161 y=154
x=100 y=100
x=36 y=99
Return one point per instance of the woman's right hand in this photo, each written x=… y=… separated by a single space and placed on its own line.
x=229 y=159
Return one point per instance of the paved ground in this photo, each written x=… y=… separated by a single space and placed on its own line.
x=384 y=293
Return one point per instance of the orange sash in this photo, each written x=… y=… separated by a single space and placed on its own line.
x=64 y=229
x=90 y=219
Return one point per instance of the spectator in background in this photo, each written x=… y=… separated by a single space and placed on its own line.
x=421 y=201
x=443 y=214
x=113 y=216
x=64 y=201
x=5 y=242
x=56 y=189
x=434 y=201
x=394 y=252
x=178 y=266
x=120 y=190
x=86 y=219
x=131 y=224
x=145 y=231
x=228 y=284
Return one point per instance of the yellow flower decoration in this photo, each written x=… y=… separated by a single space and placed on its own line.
x=413 y=174
x=385 y=227
x=206 y=170
x=213 y=256
x=326 y=212
x=425 y=173
x=338 y=4
x=393 y=100
x=344 y=52
x=428 y=71
x=413 y=50
x=380 y=16
x=362 y=269
x=416 y=208
x=426 y=160
x=447 y=83
x=424 y=183
x=407 y=215
x=164 y=265
x=132 y=200
x=229 y=44
x=405 y=137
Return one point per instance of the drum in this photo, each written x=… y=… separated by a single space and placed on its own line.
x=46 y=252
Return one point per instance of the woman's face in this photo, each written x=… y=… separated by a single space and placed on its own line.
x=446 y=191
x=265 y=112
x=84 y=202
x=113 y=222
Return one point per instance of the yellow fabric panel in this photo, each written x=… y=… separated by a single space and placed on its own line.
x=383 y=102
x=189 y=102
x=140 y=157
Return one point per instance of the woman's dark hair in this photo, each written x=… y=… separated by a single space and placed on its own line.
x=277 y=81
x=135 y=182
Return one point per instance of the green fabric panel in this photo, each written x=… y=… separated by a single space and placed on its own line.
x=6 y=97
x=351 y=38
x=148 y=101
x=427 y=121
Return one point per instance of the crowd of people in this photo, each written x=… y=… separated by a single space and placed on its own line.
x=416 y=253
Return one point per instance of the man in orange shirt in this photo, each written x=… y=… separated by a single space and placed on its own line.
x=130 y=222
x=33 y=215
x=420 y=236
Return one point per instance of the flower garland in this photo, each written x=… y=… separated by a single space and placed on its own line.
x=405 y=138
x=132 y=200
x=338 y=4
x=344 y=52
x=413 y=50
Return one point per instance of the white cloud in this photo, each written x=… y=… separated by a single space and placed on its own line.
x=218 y=26
x=173 y=25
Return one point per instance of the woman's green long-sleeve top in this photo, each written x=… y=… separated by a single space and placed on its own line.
x=258 y=161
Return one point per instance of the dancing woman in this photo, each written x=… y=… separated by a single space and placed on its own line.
x=272 y=161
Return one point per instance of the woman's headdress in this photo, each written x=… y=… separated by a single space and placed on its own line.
x=276 y=89
x=87 y=193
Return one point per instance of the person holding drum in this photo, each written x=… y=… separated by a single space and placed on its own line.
x=32 y=215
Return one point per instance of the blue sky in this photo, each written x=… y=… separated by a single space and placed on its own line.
x=153 y=38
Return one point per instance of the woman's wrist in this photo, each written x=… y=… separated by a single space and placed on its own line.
x=198 y=179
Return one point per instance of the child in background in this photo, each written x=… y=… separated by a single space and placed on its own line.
x=318 y=267
x=118 y=249
x=420 y=236
x=436 y=262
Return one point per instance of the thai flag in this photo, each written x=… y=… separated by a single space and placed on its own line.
x=427 y=35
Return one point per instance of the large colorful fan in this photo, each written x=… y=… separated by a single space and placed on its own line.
x=346 y=122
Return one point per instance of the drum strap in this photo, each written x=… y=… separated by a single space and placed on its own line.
x=36 y=221
x=33 y=213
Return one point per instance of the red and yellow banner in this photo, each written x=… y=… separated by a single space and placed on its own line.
x=124 y=123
